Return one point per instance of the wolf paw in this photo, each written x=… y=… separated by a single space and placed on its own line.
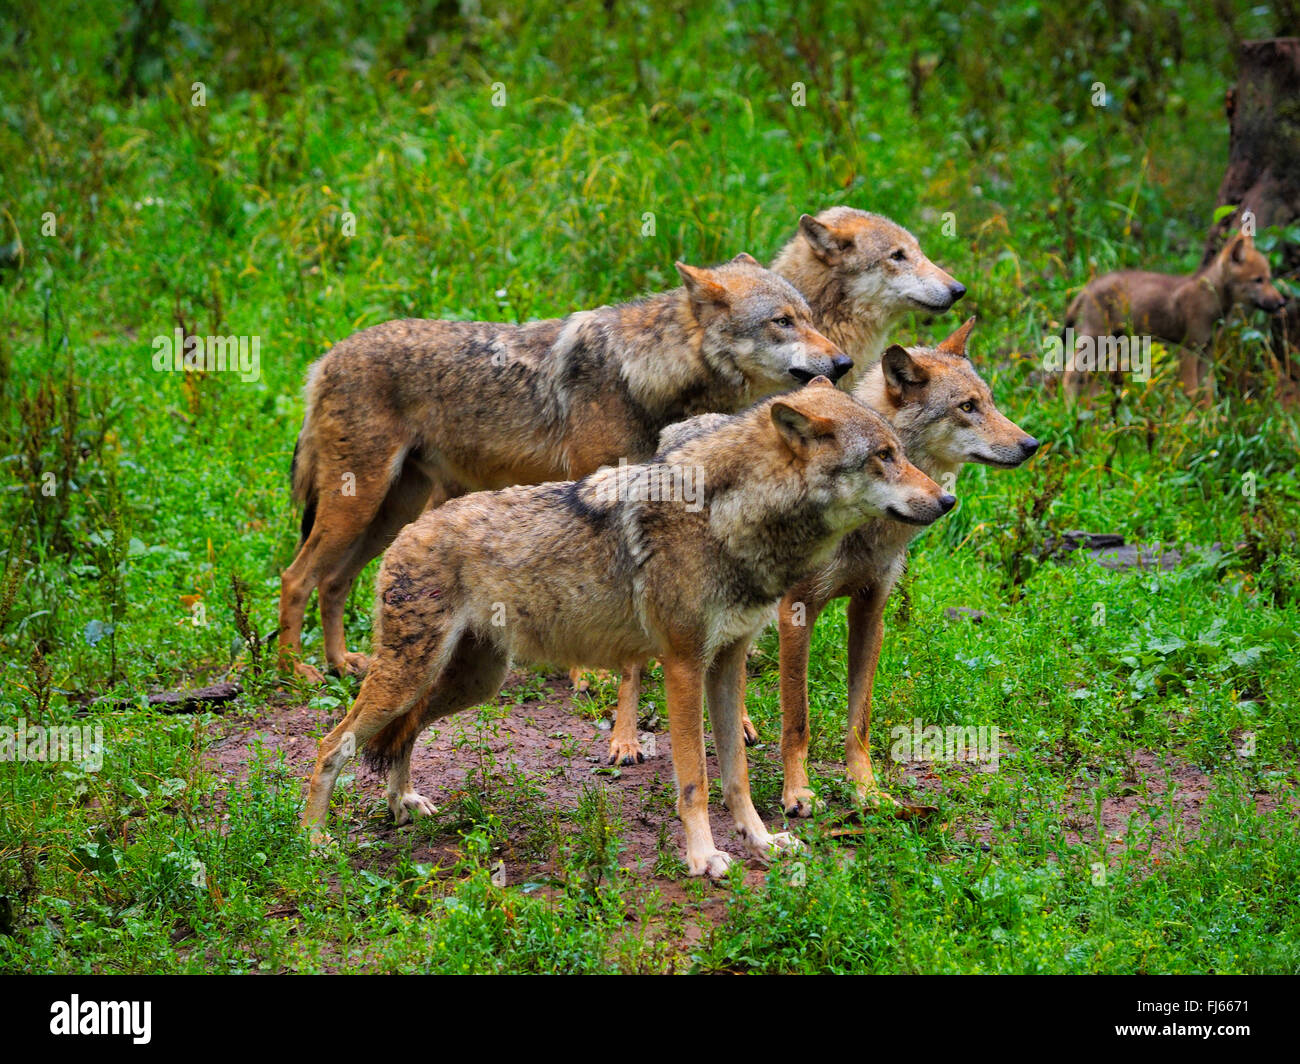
x=404 y=805
x=308 y=672
x=751 y=733
x=714 y=865
x=765 y=847
x=875 y=798
x=321 y=839
x=624 y=753
x=581 y=678
x=353 y=664
x=800 y=802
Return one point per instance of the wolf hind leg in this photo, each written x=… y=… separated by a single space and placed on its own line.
x=407 y=497
x=472 y=676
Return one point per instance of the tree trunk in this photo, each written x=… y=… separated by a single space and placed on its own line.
x=1264 y=159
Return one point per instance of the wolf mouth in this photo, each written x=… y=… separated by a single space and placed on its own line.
x=907 y=519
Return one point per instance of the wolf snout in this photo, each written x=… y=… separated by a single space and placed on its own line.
x=946 y=502
x=840 y=365
x=956 y=290
x=1028 y=446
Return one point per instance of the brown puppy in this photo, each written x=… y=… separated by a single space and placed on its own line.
x=1177 y=310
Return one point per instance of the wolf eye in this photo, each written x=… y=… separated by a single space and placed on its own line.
x=785 y=321
x=968 y=407
x=899 y=256
x=885 y=454
x=1259 y=280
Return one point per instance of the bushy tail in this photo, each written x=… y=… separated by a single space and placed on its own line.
x=302 y=475
x=389 y=746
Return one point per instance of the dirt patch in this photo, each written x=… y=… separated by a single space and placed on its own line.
x=552 y=739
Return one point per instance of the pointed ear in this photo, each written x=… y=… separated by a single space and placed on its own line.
x=700 y=284
x=799 y=430
x=1237 y=247
x=745 y=256
x=903 y=374
x=956 y=343
x=820 y=382
x=826 y=245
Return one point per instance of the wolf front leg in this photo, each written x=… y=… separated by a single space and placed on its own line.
x=797 y=798
x=726 y=691
x=684 y=687
x=866 y=633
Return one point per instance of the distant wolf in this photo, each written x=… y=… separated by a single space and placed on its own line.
x=945 y=416
x=861 y=273
x=1178 y=310
x=578 y=574
x=405 y=415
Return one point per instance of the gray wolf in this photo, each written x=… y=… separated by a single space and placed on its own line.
x=945 y=416
x=586 y=574
x=1178 y=310
x=861 y=273
x=408 y=414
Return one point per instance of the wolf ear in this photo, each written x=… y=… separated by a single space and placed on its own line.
x=799 y=430
x=826 y=245
x=902 y=372
x=1239 y=245
x=746 y=257
x=956 y=343
x=700 y=285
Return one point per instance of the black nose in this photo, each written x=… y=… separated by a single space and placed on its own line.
x=947 y=502
x=840 y=365
x=957 y=290
x=1029 y=445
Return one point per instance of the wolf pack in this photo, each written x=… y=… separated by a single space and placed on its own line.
x=657 y=480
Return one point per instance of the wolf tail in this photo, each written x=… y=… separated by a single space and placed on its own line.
x=302 y=474
x=386 y=748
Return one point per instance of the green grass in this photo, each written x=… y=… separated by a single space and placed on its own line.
x=167 y=488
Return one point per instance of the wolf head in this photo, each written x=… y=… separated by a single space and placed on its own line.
x=876 y=268
x=851 y=461
x=942 y=408
x=1246 y=277
x=760 y=324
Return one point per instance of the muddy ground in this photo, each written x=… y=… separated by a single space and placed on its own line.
x=555 y=736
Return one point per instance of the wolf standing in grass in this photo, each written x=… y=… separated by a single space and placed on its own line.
x=590 y=574
x=945 y=416
x=411 y=413
x=860 y=273
x=1179 y=310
